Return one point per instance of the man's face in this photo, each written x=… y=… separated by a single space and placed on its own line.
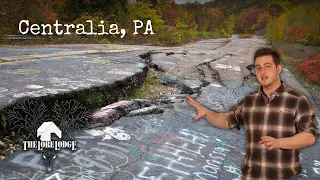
x=266 y=70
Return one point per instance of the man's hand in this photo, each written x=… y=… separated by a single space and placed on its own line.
x=202 y=111
x=271 y=141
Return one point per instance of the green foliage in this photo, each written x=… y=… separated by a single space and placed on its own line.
x=293 y=21
x=144 y=92
x=3 y=121
x=96 y=19
x=143 y=12
x=6 y=31
x=274 y=31
x=296 y=25
x=180 y=25
x=152 y=79
x=170 y=36
x=113 y=10
x=227 y=26
x=207 y=35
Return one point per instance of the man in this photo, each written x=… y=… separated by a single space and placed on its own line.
x=278 y=122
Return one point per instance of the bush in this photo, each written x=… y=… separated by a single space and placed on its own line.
x=313 y=56
x=310 y=68
x=297 y=33
x=207 y=35
x=245 y=35
x=170 y=36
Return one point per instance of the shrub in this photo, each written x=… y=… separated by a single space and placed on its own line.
x=298 y=33
x=245 y=35
x=170 y=36
x=313 y=56
x=311 y=70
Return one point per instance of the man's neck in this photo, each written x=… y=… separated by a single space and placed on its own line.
x=271 y=88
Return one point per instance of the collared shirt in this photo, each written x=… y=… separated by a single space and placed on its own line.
x=285 y=114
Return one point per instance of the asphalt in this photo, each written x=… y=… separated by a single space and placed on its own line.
x=151 y=140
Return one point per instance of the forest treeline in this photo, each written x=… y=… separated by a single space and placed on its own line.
x=286 y=21
x=174 y=24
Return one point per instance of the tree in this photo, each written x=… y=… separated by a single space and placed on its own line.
x=143 y=12
x=254 y=19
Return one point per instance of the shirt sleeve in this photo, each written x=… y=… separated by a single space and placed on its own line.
x=234 y=116
x=305 y=117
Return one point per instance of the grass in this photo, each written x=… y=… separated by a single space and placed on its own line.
x=144 y=92
x=152 y=89
x=292 y=66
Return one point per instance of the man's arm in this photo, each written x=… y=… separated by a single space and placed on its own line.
x=217 y=119
x=297 y=141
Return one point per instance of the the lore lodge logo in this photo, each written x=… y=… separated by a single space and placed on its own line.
x=40 y=124
x=44 y=132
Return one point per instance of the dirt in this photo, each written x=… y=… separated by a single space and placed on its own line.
x=9 y=144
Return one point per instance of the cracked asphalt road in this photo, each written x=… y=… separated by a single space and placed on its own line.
x=171 y=145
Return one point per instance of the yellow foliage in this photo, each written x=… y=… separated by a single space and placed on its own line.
x=245 y=35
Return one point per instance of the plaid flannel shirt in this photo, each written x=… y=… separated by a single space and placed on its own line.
x=284 y=115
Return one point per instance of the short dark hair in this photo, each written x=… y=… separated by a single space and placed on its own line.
x=268 y=51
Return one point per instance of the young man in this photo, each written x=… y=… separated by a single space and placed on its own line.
x=278 y=122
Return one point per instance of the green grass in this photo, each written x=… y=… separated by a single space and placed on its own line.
x=144 y=92
x=152 y=79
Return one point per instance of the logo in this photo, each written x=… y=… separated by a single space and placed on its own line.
x=45 y=131
x=49 y=131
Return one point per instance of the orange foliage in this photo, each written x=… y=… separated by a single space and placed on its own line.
x=254 y=18
x=245 y=35
x=48 y=15
x=264 y=17
x=298 y=32
x=216 y=17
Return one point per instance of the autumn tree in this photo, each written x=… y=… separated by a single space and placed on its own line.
x=144 y=12
x=254 y=19
x=296 y=25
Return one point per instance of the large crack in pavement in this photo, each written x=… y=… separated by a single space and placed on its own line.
x=164 y=122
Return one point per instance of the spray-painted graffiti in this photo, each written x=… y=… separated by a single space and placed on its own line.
x=103 y=62
x=32 y=86
x=39 y=93
x=105 y=112
x=228 y=67
x=109 y=132
x=117 y=104
x=121 y=72
x=98 y=81
x=316 y=169
x=6 y=94
x=23 y=71
x=181 y=152
x=66 y=82
x=149 y=126
x=54 y=176
x=99 y=162
x=34 y=160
